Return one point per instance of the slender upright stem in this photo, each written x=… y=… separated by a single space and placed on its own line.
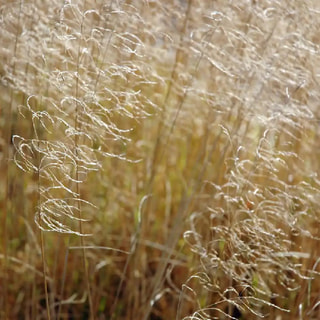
x=78 y=187
x=44 y=275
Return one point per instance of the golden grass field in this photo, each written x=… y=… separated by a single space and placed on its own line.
x=160 y=159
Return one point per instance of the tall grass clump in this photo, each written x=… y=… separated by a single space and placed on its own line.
x=159 y=159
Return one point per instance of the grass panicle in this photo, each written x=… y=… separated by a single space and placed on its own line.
x=159 y=159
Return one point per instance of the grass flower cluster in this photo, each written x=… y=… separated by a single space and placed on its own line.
x=159 y=159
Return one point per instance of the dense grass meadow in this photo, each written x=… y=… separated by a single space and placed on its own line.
x=160 y=159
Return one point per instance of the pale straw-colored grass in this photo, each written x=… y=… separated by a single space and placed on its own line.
x=160 y=159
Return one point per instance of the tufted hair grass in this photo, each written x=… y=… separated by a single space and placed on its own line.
x=159 y=159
